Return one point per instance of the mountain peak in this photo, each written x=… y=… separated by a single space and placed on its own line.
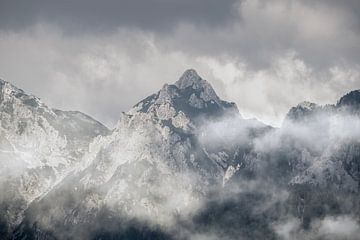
x=191 y=82
x=307 y=105
x=9 y=91
x=189 y=78
x=350 y=99
x=302 y=111
x=190 y=95
x=10 y=88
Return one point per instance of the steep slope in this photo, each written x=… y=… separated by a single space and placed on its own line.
x=350 y=100
x=333 y=131
x=156 y=164
x=38 y=147
x=321 y=144
x=184 y=164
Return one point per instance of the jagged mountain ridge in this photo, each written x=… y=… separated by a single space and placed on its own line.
x=161 y=162
x=153 y=161
x=337 y=126
x=190 y=94
x=39 y=146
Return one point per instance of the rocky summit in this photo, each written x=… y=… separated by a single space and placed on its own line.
x=180 y=164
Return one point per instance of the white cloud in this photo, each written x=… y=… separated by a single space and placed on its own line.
x=267 y=59
x=269 y=93
x=339 y=227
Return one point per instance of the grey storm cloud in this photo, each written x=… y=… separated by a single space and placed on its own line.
x=102 y=57
x=104 y=16
x=322 y=32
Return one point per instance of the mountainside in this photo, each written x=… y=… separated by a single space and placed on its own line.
x=335 y=129
x=39 y=146
x=181 y=164
x=154 y=165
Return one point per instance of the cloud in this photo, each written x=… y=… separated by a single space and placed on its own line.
x=323 y=33
x=339 y=227
x=269 y=93
x=106 y=16
x=287 y=230
x=99 y=76
x=265 y=56
x=330 y=227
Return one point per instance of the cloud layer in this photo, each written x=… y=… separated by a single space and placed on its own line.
x=102 y=58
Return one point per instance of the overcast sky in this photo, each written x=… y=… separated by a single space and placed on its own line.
x=102 y=57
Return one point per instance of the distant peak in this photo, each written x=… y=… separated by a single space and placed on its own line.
x=203 y=89
x=191 y=95
x=352 y=98
x=3 y=82
x=307 y=105
x=189 y=78
x=8 y=87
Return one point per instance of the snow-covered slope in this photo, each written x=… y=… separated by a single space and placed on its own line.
x=180 y=159
x=332 y=134
x=158 y=162
x=38 y=147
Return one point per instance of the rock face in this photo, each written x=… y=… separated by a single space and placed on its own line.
x=190 y=95
x=180 y=162
x=302 y=111
x=39 y=146
x=153 y=165
x=333 y=132
x=350 y=99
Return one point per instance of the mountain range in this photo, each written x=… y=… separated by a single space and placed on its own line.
x=180 y=164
